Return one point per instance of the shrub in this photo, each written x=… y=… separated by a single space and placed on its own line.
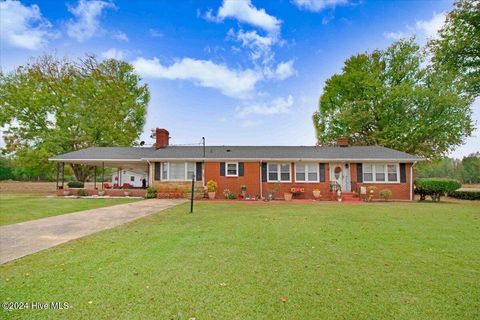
x=82 y=192
x=127 y=185
x=212 y=186
x=151 y=193
x=435 y=187
x=385 y=194
x=229 y=194
x=465 y=195
x=75 y=184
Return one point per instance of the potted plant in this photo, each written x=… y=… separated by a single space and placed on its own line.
x=316 y=193
x=212 y=187
x=339 y=195
x=244 y=191
x=126 y=191
x=385 y=194
x=288 y=196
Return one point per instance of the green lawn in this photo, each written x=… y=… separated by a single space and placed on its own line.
x=18 y=207
x=238 y=261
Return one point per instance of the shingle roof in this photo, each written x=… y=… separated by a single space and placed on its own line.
x=239 y=152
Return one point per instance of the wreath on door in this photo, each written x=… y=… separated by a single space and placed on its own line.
x=337 y=172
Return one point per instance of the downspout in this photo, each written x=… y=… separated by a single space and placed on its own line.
x=149 y=173
x=411 y=180
x=261 y=183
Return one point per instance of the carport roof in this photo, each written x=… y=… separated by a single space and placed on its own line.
x=142 y=154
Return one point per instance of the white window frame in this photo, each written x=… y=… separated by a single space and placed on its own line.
x=167 y=178
x=279 y=171
x=226 y=169
x=307 y=165
x=385 y=168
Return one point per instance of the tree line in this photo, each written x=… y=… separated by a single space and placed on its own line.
x=466 y=170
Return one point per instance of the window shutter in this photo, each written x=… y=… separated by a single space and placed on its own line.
x=240 y=169
x=198 y=171
x=264 y=172
x=322 y=172
x=359 y=172
x=403 y=173
x=157 y=171
x=222 y=169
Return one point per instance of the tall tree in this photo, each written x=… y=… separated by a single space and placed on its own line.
x=52 y=106
x=458 y=46
x=393 y=98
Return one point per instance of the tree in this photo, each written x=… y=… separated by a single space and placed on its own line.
x=458 y=47
x=53 y=106
x=394 y=99
x=470 y=169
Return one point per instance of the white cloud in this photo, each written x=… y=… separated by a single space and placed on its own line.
x=204 y=73
x=114 y=53
x=277 y=106
x=422 y=30
x=245 y=11
x=396 y=35
x=121 y=36
x=24 y=26
x=155 y=33
x=284 y=70
x=317 y=5
x=259 y=46
x=431 y=27
x=86 y=23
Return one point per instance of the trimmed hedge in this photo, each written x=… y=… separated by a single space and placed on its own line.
x=75 y=184
x=435 y=187
x=465 y=195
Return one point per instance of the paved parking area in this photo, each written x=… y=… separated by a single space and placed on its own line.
x=21 y=239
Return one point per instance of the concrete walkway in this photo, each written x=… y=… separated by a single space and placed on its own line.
x=21 y=239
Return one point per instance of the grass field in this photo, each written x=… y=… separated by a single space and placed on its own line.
x=18 y=207
x=264 y=261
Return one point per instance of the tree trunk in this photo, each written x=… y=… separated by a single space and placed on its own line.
x=82 y=172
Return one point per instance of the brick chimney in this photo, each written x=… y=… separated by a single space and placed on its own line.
x=342 y=142
x=161 y=138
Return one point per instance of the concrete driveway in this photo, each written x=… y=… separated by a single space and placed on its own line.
x=21 y=239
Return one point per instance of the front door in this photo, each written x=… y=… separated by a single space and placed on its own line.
x=340 y=173
x=336 y=173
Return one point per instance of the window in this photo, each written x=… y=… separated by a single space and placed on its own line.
x=190 y=170
x=278 y=172
x=179 y=171
x=132 y=178
x=232 y=169
x=380 y=172
x=165 y=171
x=392 y=172
x=300 y=172
x=306 y=172
x=176 y=171
x=272 y=172
x=367 y=173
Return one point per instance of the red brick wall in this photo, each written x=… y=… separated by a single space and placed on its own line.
x=251 y=179
x=400 y=191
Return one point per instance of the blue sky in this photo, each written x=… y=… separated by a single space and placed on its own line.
x=235 y=72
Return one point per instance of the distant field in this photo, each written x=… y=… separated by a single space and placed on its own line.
x=31 y=187
x=471 y=187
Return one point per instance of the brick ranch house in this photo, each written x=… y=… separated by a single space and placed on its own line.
x=262 y=169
